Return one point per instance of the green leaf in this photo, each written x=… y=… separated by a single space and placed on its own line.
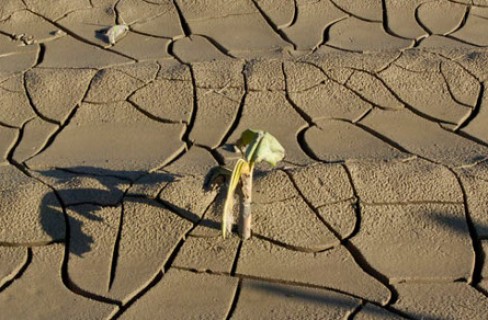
x=247 y=137
x=269 y=150
x=253 y=146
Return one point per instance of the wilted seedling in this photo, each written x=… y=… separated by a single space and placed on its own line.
x=255 y=146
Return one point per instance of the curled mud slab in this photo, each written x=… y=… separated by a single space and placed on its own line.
x=378 y=210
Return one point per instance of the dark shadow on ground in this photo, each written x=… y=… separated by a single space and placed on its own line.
x=456 y=223
x=74 y=194
x=328 y=299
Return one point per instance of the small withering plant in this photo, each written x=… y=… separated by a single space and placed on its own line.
x=255 y=146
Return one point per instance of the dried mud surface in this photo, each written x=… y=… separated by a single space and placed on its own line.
x=377 y=212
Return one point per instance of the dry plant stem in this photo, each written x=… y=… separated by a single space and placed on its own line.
x=245 y=216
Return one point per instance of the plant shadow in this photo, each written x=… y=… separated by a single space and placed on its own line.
x=81 y=195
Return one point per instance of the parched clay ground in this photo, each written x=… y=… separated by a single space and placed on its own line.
x=379 y=211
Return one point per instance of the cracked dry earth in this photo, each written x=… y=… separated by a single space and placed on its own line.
x=379 y=210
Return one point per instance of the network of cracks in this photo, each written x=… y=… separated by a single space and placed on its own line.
x=378 y=210
x=69 y=34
